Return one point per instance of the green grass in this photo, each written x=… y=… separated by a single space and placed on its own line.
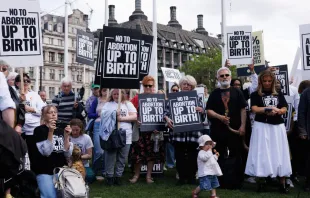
x=164 y=186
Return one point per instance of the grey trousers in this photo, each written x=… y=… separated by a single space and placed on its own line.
x=115 y=161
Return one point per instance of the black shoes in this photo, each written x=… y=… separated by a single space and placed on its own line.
x=285 y=189
x=117 y=181
x=109 y=181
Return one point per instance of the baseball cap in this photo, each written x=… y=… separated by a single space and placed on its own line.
x=95 y=86
x=203 y=139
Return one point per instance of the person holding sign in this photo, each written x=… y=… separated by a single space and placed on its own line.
x=227 y=114
x=143 y=149
x=269 y=151
x=185 y=143
x=115 y=158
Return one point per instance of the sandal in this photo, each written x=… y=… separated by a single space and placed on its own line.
x=194 y=194
x=149 y=180
x=134 y=179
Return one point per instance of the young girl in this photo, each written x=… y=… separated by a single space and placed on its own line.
x=208 y=168
x=83 y=141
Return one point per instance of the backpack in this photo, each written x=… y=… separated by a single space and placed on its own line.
x=69 y=183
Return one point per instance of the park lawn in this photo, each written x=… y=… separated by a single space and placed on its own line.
x=164 y=187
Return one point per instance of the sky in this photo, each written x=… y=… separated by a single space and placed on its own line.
x=279 y=19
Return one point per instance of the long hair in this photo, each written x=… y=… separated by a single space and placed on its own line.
x=123 y=98
x=79 y=123
x=260 y=87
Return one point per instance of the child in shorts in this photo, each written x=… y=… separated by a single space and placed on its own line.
x=208 y=168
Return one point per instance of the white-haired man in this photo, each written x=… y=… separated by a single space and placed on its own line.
x=65 y=101
x=226 y=109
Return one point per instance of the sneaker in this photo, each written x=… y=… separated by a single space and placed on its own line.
x=285 y=189
x=110 y=181
x=117 y=181
x=99 y=178
x=251 y=180
x=290 y=183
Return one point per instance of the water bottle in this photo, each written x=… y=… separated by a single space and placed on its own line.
x=156 y=147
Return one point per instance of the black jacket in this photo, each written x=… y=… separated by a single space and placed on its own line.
x=304 y=113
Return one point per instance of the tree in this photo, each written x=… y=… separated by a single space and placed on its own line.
x=203 y=67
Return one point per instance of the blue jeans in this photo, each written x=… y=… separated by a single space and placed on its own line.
x=170 y=155
x=46 y=186
x=98 y=152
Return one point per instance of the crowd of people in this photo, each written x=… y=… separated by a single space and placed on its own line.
x=244 y=136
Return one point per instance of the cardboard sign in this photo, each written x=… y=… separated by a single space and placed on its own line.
x=305 y=45
x=201 y=96
x=183 y=110
x=85 y=48
x=239 y=44
x=171 y=75
x=281 y=74
x=146 y=55
x=288 y=116
x=121 y=58
x=151 y=112
x=99 y=61
x=157 y=169
x=20 y=36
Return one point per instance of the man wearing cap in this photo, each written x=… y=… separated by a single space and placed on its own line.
x=95 y=89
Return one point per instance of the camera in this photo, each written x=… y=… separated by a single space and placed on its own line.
x=61 y=124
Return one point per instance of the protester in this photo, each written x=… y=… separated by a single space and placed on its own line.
x=208 y=168
x=185 y=143
x=269 y=150
x=33 y=106
x=227 y=114
x=11 y=78
x=96 y=92
x=95 y=113
x=48 y=149
x=65 y=102
x=83 y=141
x=303 y=86
x=42 y=94
x=143 y=150
x=175 y=88
x=115 y=158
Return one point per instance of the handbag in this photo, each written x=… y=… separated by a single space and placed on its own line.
x=116 y=140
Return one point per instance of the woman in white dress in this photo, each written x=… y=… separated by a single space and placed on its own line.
x=269 y=151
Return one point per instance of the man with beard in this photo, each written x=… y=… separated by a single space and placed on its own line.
x=227 y=114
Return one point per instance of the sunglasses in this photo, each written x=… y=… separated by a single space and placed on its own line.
x=175 y=90
x=237 y=85
x=224 y=75
x=148 y=86
x=27 y=81
x=3 y=69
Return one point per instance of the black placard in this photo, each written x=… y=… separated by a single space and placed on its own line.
x=183 y=111
x=85 y=48
x=121 y=58
x=151 y=110
x=281 y=74
x=146 y=54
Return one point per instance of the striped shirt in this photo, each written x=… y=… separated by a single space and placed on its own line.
x=64 y=104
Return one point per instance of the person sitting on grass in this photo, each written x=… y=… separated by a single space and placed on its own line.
x=208 y=168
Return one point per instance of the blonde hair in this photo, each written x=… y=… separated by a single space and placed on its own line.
x=260 y=87
x=123 y=98
x=188 y=79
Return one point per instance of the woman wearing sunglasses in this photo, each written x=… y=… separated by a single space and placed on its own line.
x=142 y=149
x=33 y=105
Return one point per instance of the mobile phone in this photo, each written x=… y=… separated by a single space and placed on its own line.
x=268 y=110
x=61 y=124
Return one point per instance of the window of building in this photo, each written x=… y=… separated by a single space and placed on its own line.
x=50 y=41
x=79 y=78
x=73 y=30
x=54 y=19
x=60 y=42
x=50 y=27
x=31 y=72
x=51 y=56
x=77 y=20
x=73 y=78
x=60 y=57
x=59 y=28
x=73 y=43
x=52 y=74
x=51 y=92
x=43 y=55
x=169 y=35
x=72 y=58
x=199 y=42
x=61 y=74
x=43 y=73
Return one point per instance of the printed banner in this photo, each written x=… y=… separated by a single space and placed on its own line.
x=21 y=37
x=99 y=61
x=239 y=44
x=183 y=110
x=146 y=55
x=288 y=116
x=151 y=112
x=201 y=96
x=171 y=75
x=157 y=169
x=305 y=46
x=121 y=58
x=85 y=48
x=281 y=74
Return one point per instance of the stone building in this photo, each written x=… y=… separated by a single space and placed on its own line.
x=175 y=45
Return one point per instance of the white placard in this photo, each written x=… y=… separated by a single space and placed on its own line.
x=21 y=34
x=258 y=48
x=171 y=75
x=304 y=31
x=239 y=44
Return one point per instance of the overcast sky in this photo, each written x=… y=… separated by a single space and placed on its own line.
x=279 y=19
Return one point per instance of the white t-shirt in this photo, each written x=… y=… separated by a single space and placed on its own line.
x=83 y=142
x=5 y=96
x=125 y=109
